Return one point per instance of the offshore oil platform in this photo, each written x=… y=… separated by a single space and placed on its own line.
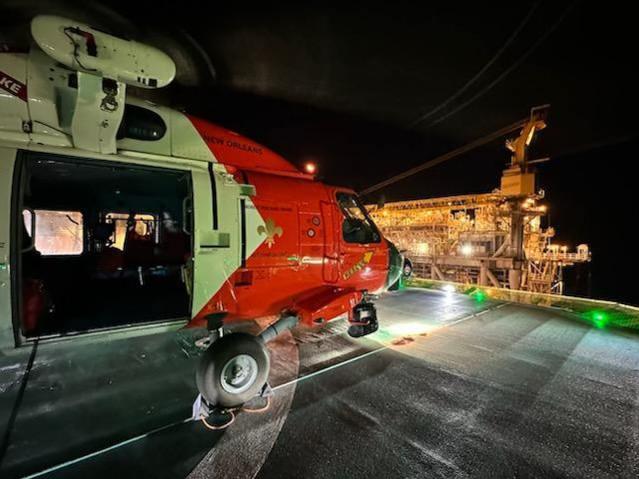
x=490 y=239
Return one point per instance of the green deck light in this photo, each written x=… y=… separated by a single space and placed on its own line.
x=480 y=296
x=599 y=318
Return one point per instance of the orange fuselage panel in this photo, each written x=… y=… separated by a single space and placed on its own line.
x=303 y=264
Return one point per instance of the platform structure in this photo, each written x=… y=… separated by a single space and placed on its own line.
x=490 y=239
x=468 y=239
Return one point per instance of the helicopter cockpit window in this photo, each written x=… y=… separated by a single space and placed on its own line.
x=357 y=226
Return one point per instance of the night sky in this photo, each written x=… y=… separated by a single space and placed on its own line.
x=346 y=85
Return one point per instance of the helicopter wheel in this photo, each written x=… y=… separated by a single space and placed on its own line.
x=233 y=370
x=407 y=270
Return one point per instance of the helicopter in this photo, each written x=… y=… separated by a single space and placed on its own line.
x=123 y=214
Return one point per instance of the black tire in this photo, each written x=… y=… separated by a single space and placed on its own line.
x=209 y=371
x=407 y=270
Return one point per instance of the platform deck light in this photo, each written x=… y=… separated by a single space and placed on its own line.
x=449 y=288
x=467 y=249
x=310 y=167
x=480 y=296
x=599 y=318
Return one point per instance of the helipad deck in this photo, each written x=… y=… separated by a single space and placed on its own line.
x=449 y=387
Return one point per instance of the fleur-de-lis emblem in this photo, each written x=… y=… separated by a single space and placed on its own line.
x=270 y=229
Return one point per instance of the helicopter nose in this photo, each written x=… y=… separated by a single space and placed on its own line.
x=395 y=264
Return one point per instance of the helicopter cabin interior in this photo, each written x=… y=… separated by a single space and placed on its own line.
x=103 y=244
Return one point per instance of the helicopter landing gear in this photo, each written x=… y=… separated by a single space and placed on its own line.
x=233 y=370
x=235 y=366
x=364 y=319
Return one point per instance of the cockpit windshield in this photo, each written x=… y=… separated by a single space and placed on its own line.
x=357 y=226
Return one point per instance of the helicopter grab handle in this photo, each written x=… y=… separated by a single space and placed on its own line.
x=185 y=214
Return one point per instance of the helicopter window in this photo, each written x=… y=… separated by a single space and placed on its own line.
x=357 y=226
x=56 y=232
x=143 y=225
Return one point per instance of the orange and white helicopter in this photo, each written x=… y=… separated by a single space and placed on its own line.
x=119 y=213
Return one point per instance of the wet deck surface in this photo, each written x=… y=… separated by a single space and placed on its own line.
x=508 y=391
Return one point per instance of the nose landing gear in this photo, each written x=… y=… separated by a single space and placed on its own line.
x=364 y=320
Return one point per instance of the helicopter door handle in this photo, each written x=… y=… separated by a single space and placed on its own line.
x=208 y=240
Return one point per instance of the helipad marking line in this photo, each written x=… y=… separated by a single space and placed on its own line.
x=333 y=366
x=279 y=386
x=101 y=451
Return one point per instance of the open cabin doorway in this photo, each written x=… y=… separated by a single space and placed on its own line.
x=103 y=245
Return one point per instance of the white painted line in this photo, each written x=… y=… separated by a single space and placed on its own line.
x=329 y=368
x=101 y=451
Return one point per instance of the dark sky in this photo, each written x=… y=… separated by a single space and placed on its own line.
x=343 y=84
